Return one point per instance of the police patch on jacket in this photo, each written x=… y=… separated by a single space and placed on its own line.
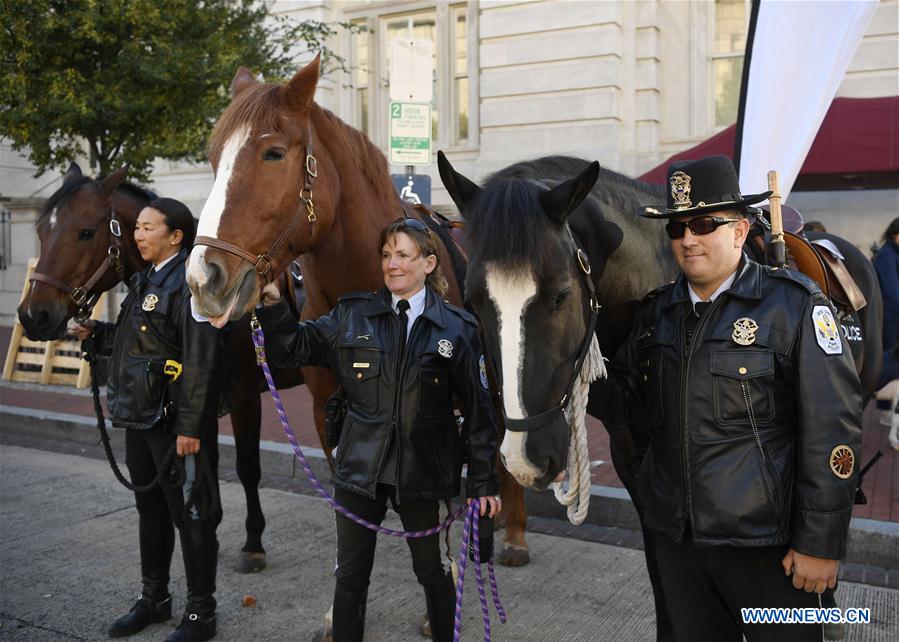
x=842 y=461
x=827 y=332
x=482 y=370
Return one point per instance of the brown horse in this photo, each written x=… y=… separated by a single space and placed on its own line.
x=77 y=260
x=291 y=179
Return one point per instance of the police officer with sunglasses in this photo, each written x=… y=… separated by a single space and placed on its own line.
x=741 y=379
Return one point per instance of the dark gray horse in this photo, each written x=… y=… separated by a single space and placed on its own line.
x=525 y=283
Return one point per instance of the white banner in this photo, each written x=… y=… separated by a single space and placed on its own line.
x=800 y=53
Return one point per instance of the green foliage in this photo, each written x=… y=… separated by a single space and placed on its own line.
x=136 y=79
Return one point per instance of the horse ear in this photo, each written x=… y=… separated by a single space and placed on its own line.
x=565 y=197
x=243 y=80
x=72 y=174
x=301 y=88
x=460 y=189
x=109 y=184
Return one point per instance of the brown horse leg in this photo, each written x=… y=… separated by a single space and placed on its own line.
x=246 y=414
x=514 y=551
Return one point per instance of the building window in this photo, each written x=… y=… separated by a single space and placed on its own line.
x=448 y=26
x=728 y=48
x=361 y=73
x=460 y=76
x=414 y=26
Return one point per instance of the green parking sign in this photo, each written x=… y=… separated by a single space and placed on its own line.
x=410 y=133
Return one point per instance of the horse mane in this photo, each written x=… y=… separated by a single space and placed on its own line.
x=66 y=190
x=509 y=226
x=365 y=156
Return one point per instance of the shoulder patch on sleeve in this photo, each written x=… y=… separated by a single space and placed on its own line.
x=793 y=276
x=827 y=331
x=482 y=370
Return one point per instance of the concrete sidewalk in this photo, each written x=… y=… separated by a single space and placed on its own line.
x=68 y=566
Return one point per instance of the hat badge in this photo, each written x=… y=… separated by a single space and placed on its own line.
x=149 y=303
x=680 y=189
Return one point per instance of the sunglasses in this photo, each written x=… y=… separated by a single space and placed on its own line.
x=415 y=224
x=698 y=226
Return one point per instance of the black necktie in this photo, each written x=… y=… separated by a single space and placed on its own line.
x=694 y=312
x=402 y=305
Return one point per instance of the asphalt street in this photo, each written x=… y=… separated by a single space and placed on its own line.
x=69 y=566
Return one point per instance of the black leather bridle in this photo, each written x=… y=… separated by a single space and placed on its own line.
x=548 y=417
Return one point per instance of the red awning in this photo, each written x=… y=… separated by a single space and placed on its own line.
x=859 y=136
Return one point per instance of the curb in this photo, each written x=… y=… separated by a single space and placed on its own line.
x=871 y=542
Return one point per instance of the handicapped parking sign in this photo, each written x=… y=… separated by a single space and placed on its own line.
x=413 y=188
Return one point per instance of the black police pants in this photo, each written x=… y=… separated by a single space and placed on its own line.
x=705 y=588
x=162 y=508
x=356 y=544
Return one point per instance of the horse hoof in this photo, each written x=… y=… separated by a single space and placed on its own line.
x=511 y=555
x=425 y=628
x=250 y=562
x=324 y=634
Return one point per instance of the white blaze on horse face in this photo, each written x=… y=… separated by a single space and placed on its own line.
x=211 y=216
x=512 y=294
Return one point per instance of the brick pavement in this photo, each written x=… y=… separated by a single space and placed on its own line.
x=881 y=484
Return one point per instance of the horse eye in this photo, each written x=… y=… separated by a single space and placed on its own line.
x=563 y=296
x=86 y=234
x=274 y=154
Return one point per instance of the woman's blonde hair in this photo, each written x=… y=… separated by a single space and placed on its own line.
x=426 y=241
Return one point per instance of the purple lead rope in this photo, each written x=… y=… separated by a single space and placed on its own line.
x=471 y=518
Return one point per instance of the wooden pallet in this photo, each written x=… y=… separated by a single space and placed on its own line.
x=46 y=362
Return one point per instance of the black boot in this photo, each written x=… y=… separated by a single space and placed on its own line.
x=200 y=549
x=441 y=600
x=349 y=615
x=154 y=604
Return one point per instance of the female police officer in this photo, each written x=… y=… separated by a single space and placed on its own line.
x=400 y=355
x=162 y=389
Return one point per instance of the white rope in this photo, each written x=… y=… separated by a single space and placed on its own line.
x=575 y=493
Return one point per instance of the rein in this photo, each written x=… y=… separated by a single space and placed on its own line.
x=171 y=470
x=470 y=527
x=262 y=263
x=81 y=295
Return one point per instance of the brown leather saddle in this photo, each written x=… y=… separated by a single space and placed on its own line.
x=819 y=260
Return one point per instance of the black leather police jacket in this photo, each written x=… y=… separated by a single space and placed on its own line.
x=705 y=465
x=409 y=402
x=139 y=394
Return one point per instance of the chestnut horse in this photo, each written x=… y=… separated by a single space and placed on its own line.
x=76 y=247
x=291 y=179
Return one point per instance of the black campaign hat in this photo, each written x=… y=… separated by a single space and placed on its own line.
x=700 y=187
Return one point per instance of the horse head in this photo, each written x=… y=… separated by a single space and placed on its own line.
x=527 y=283
x=77 y=260
x=261 y=212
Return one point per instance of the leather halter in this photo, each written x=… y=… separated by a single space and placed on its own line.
x=262 y=263
x=81 y=295
x=546 y=417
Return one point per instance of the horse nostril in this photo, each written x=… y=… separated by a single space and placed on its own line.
x=215 y=276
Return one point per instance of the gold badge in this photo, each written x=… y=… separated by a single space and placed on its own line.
x=842 y=461
x=149 y=303
x=744 y=331
x=680 y=190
